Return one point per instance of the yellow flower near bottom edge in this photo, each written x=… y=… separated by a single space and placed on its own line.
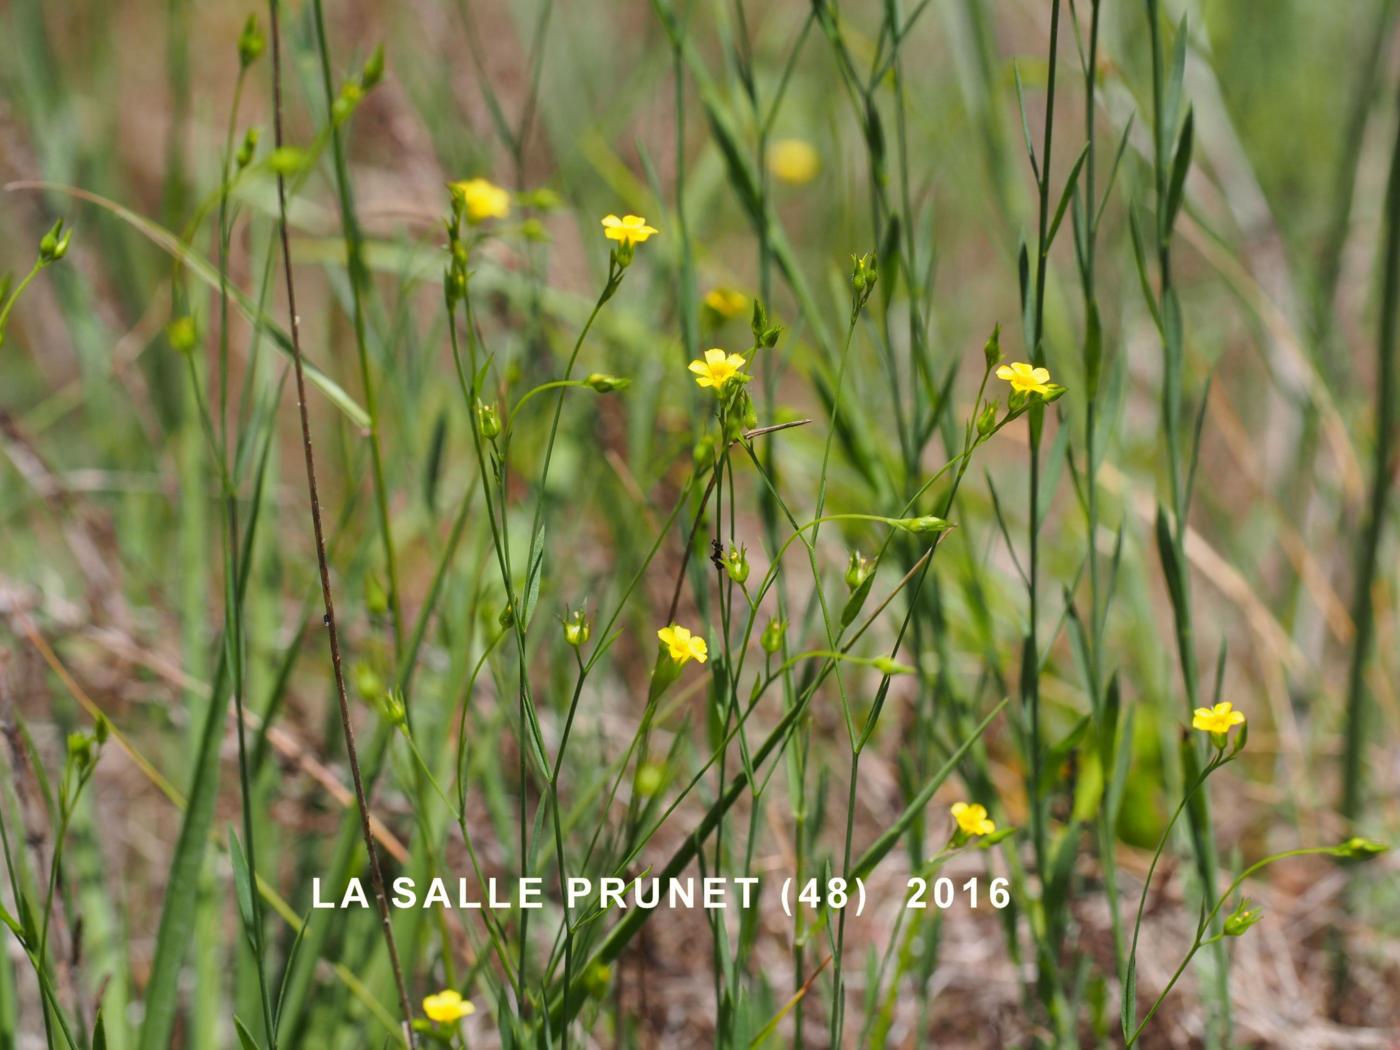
x=1024 y=378
x=717 y=368
x=1217 y=719
x=973 y=818
x=447 y=1006
x=682 y=645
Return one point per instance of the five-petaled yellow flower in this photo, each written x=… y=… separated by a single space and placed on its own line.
x=973 y=819
x=727 y=302
x=447 y=1007
x=629 y=230
x=1217 y=719
x=1024 y=378
x=794 y=161
x=682 y=645
x=717 y=369
x=482 y=199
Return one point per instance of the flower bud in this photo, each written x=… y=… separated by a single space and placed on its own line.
x=392 y=707
x=597 y=979
x=703 y=455
x=376 y=597
x=54 y=244
x=926 y=525
x=758 y=323
x=987 y=421
x=1245 y=915
x=488 y=421
x=736 y=563
x=368 y=683
x=577 y=629
x=991 y=352
x=541 y=199
x=772 y=639
x=346 y=102
x=251 y=42
x=859 y=570
x=1356 y=848
x=182 y=335
x=888 y=666
x=373 y=71
x=80 y=748
x=865 y=271
x=288 y=160
x=606 y=384
x=244 y=157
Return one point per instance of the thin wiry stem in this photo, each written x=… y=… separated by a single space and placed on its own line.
x=352 y=758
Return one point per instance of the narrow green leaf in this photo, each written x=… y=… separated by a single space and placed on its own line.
x=1071 y=181
x=245 y=1037
x=1181 y=164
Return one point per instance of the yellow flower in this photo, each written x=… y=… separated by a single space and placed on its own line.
x=447 y=1007
x=1024 y=378
x=482 y=199
x=727 y=302
x=794 y=161
x=1217 y=719
x=717 y=369
x=630 y=229
x=973 y=819
x=683 y=645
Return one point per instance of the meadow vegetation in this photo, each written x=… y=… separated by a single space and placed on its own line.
x=906 y=450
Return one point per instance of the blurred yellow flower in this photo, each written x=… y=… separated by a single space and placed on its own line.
x=727 y=302
x=481 y=199
x=682 y=645
x=794 y=161
x=447 y=1007
x=1024 y=378
x=1217 y=719
x=973 y=819
x=717 y=369
x=629 y=230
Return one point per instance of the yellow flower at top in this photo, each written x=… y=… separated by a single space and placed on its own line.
x=447 y=1007
x=727 y=302
x=1217 y=719
x=717 y=369
x=794 y=161
x=682 y=645
x=629 y=230
x=973 y=819
x=1024 y=378
x=481 y=199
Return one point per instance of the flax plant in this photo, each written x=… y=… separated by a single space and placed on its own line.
x=722 y=461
